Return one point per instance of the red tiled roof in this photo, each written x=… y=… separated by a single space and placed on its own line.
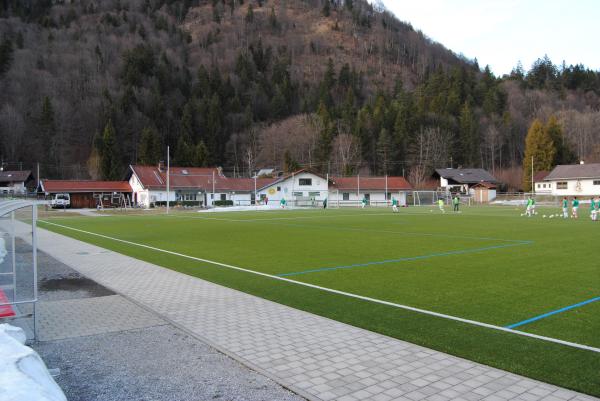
x=54 y=186
x=179 y=177
x=199 y=178
x=540 y=175
x=370 y=183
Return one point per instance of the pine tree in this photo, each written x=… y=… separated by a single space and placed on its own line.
x=187 y=120
x=249 y=15
x=47 y=123
x=289 y=164
x=201 y=155
x=273 y=20
x=150 y=147
x=326 y=9
x=564 y=153
x=539 y=148
x=6 y=56
x=110 y=165
x=467 y=137
x=384 y=151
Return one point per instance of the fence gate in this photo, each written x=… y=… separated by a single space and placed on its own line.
x=18 y=264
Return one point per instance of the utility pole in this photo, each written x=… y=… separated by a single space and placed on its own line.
x=213 y=186
x=168 y=174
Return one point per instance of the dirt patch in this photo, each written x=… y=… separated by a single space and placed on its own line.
x=75 y=284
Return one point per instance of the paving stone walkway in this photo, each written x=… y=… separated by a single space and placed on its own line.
x=318 y=358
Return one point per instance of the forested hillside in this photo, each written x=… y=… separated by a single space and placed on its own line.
x=87 y=87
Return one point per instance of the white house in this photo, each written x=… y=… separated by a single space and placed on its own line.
x=191 y=185
x=540 y=186
x=463 y=179
x=349 y=191
x=149 y=184
x=301 y=188
x=15 y=182
x=575 y=180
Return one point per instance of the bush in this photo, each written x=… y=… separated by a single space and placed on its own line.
x=223 y=203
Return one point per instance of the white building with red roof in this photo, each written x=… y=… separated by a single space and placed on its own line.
x=378 y=191
x=191 y=185
x=300 y=188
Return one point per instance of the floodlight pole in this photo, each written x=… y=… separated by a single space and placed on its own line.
x=386 y=190
x=255 y=194
x=532 y=174
x=358 y=188
x=327 y=182
x=168 y=173
x=213 y=189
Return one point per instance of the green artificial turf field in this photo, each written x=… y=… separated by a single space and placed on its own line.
x=487 y=264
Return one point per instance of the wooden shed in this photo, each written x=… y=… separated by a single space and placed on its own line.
x=89 y=193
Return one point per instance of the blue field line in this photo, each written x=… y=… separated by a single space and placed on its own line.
x=407 y=259
x=554 y=312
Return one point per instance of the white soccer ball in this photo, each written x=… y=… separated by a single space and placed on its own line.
x=521 y=214
x=551 y=216
x=544 y=216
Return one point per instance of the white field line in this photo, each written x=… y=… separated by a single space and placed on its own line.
x=338 y=292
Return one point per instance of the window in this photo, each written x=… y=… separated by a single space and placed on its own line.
x=314 y=194
x=278 y=189
x=298 y=193
x=389 y=196
x=540 y=185
x=305 y=181
x=189 y=197
x=346 y=196
x=223 y=197
x=596 y=182
x=562 y=185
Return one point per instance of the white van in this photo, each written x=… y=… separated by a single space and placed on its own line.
x=61 y=201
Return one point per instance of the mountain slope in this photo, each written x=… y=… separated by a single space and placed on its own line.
x=88 y=87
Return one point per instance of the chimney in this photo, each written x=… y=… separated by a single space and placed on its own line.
x=161 y=166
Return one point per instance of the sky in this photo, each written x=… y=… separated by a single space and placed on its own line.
x=502 y=32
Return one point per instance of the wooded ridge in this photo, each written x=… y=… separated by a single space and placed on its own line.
x=88 y=87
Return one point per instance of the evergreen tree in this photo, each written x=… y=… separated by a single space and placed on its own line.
x=150 y=149
x=6 y=56
x=539 y=148
x=201 y=155
x=273 y=20
x=187 y=121
x=289 y=164
x=467 y=150
x=184 y=151
x=110 y=166
x=249 y=15
x=47 y=123
x=384 y=151
x=564 y=154
x=326 y=9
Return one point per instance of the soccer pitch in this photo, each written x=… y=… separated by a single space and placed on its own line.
x=454 y=282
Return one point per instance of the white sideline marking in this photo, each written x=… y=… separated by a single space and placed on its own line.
x=347 y=294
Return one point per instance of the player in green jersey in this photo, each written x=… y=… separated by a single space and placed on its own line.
x=574 y=207
x=441 y=205
x=565 y=207
x=395 y=205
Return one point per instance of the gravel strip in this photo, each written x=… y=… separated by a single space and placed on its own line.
x=156 y=363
